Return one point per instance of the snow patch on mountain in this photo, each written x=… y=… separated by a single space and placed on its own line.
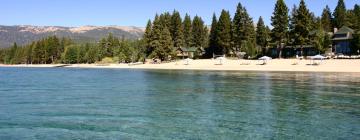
x=41 y=29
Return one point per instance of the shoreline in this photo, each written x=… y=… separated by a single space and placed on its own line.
x=276 y=65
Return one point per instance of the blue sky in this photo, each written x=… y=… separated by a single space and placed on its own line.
x=133 y=12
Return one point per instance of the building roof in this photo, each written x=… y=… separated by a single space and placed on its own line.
x=190 y=49
x=344 y=30
x=344 y=33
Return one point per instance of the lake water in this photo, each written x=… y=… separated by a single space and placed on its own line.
x=62 y=103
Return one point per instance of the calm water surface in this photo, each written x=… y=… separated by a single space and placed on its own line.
x=50 y=103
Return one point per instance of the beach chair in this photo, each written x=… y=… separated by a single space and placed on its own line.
x=245 y=62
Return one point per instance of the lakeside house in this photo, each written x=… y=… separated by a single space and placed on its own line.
x=342 y=40
x=341 y=44
x=190 y=52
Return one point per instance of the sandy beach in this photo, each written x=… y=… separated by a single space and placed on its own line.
x=231 y=65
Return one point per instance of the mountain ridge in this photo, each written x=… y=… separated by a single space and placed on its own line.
x=24 y=34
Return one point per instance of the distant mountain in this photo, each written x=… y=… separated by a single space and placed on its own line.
x=25 y=34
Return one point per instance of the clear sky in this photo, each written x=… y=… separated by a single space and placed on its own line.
x=133 y=12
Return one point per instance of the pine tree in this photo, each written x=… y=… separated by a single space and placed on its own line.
x=108 y=44
x=293 y=14
x=340 y=14
x=356 y=12
x=224 y=32
x=165 y=47
x=13 y=49
x=155 y=35
x=63 y=42
x=167 y=44
x=238 y=27
x=197 y=32
x=353 y=18
x=213 y=47
x=165 y=18
x=205 y=42
x=52 y=44
x=279 y=21
x=37 y=53
x=262 y=35
x=187 y=31
x=242 y=28
x=19 y=56
x=2 y=55
x=161 y=41
x=90 y=55
x=301 y=25
x=326 y=18
x=176 y=30
x=29 y=53
x=147 y=37
x=58 y=49
x=80 y=53
x=315 y=23
x=70 y=55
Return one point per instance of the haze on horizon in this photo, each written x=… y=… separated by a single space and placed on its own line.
x=73 y=13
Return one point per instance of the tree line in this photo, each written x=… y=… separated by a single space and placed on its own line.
x=52 y=50
x=168 y=32
x=231 y=35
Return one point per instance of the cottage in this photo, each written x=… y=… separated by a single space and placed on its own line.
x=342 y=40
x=190 y=52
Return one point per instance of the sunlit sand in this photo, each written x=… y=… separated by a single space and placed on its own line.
x=232 y=65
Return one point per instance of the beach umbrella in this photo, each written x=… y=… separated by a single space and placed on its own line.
x=265 y=59
x=221 y=60
x=317 y=57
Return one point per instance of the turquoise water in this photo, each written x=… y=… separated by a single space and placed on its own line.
x=60 y=103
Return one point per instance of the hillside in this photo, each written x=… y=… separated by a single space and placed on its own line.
x=25 y=34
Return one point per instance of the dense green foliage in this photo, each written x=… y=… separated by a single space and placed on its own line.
x=300 y=25
x=169 y=33
x=44 y=51
x=280 y=21
x=52 y=50
x=199 y=34
x=176 y=30
x=354 y=17
x=326 y=19
x=262 y=35
x=187 y=31
x=213 y=48
x=340 y=14
x=161 y=40
x=147 y=37
x=224 y=32
x=243 y=31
